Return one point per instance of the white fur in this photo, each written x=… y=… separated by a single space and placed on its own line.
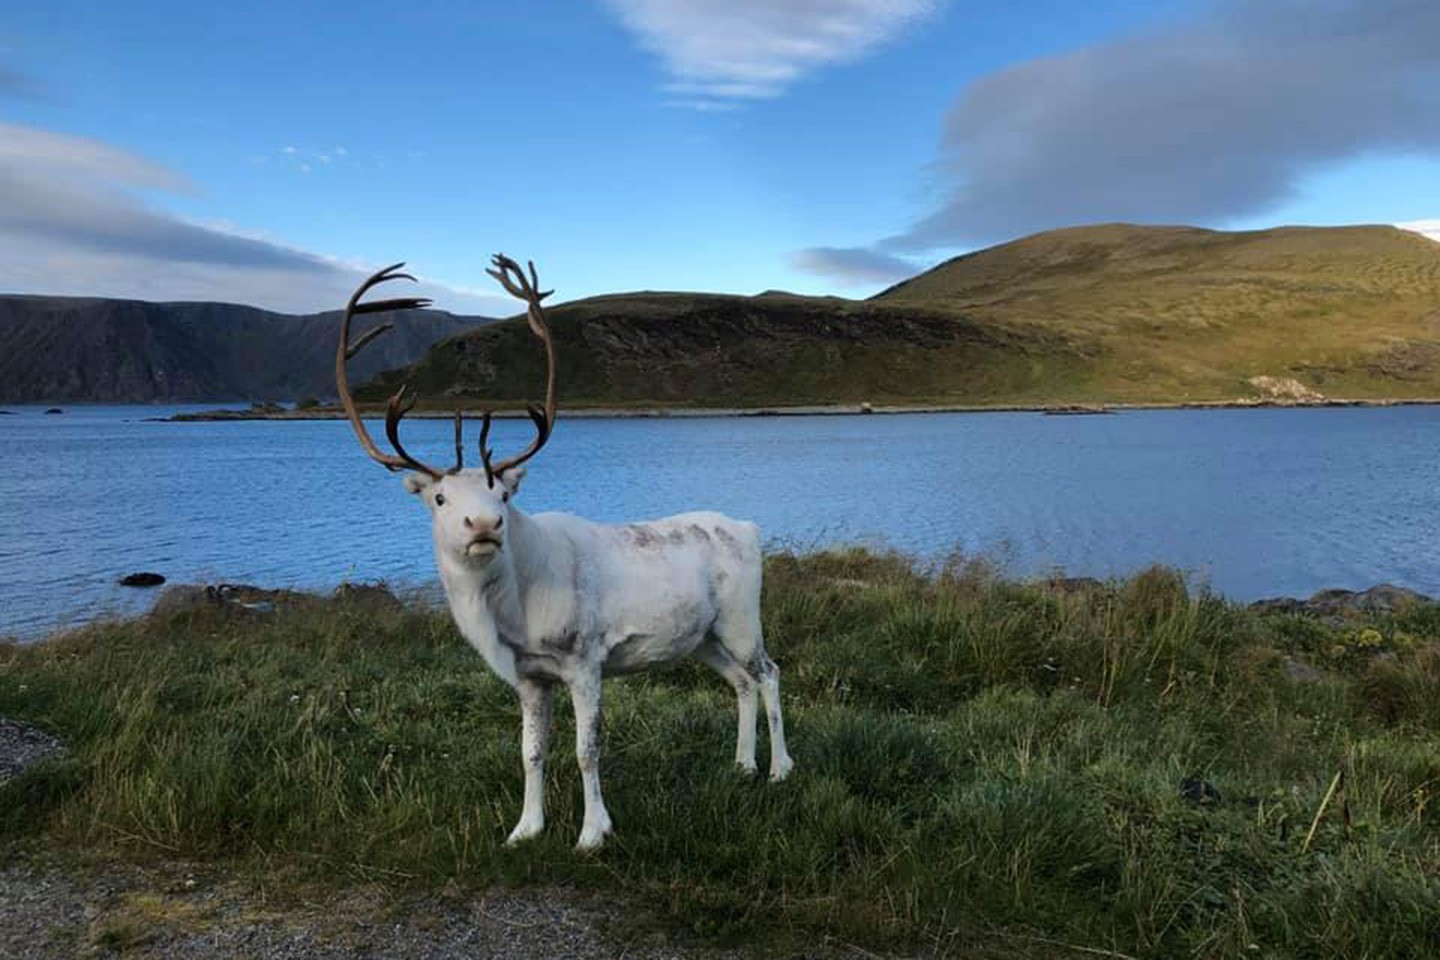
x=559 y=599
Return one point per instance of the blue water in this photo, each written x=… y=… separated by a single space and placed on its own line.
x=1253 y=502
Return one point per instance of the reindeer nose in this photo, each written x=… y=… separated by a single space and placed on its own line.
x=481 y=523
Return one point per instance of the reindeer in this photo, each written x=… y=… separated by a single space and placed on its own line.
x=556 y=599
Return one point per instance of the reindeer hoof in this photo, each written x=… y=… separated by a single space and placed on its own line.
x=592 y=836
x=781 y=769
x=522 y=832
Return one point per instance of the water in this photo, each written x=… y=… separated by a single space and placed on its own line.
x=1253 y=502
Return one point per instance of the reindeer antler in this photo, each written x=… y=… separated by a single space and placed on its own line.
x=525 y=288
x=399 y=405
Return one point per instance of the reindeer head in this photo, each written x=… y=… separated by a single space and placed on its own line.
x=468 y=508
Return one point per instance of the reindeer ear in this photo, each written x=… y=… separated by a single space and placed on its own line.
x=418 y=483
x=511 y=479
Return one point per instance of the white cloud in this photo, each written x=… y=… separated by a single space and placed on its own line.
x=1207 y=121
x=753 y=49
x=72 y=224
x=1429 y=228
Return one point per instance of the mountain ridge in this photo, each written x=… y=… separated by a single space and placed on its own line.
x=60 y=349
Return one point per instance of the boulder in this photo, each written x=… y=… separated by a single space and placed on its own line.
x=234 y=597
x=1382 y=598
x=142 y=579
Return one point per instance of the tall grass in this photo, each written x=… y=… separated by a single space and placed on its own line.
x=982 y=765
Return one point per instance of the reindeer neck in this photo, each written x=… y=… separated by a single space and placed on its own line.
x=488 y=602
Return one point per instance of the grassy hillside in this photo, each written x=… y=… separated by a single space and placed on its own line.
x=984 y=769
x=1105 y=313
x=1171 y=313
x=716 y=350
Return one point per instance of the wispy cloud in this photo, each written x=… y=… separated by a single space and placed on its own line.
x=1202 y=123
x=72 y=222
x=853 y=266
x=1429 y=228
x=308 y=160
x=729 y=50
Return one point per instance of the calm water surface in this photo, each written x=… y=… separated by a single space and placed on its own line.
x=1253 y=502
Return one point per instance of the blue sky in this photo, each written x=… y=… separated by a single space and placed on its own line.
x=272 y=153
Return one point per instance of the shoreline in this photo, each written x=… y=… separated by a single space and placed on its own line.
x=806 y=410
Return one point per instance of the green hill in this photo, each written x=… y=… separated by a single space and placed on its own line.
x=1110 y=313
x=1170 y=313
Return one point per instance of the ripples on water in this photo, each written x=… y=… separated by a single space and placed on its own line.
x=1253 y=502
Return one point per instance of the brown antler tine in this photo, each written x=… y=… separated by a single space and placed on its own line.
x=399 y=303
x=395 y=411
x=344 y=351
x=518 y=285
x=485 y=451
x=365 y=338
x=459 y=447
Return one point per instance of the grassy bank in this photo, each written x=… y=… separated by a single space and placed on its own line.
x=990 y=768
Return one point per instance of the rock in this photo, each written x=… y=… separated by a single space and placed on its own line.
x=1300 y=671
x=143 y=579
x=54 y=410
x=1382 y=599
x=1285 y=390
x=21 y=745
x=1076 y=409
x=235 y=597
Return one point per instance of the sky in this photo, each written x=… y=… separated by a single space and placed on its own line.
x=274 y=153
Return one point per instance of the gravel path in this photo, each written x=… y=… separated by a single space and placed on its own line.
x=47 y=913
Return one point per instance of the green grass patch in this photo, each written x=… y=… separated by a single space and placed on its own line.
x=982 y=766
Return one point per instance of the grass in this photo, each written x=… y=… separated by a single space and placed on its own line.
x=984 y=767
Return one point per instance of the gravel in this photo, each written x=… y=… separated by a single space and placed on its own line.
x=22 y=745
x=177 y=911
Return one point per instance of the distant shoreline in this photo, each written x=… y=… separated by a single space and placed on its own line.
x=805 y=410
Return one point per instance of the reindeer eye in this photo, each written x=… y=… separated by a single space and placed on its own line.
x=505 y=497
x=439 y=499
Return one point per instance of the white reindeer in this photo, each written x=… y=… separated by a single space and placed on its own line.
x=553 y=598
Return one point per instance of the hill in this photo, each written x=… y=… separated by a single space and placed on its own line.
x=55 y=349
x=1170 y=313
x=714 y=350
x=1110 y=313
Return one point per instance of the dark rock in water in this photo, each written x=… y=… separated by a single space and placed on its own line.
x=143 y=579
x=373 y=595
x=54 y=410
x=1382 y=598
x=1197 y=790
x=7 y=413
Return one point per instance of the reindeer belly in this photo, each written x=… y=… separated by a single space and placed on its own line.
x=658 y=640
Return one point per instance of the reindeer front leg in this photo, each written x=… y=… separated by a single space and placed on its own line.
x=585 y=694
x=535 y=700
